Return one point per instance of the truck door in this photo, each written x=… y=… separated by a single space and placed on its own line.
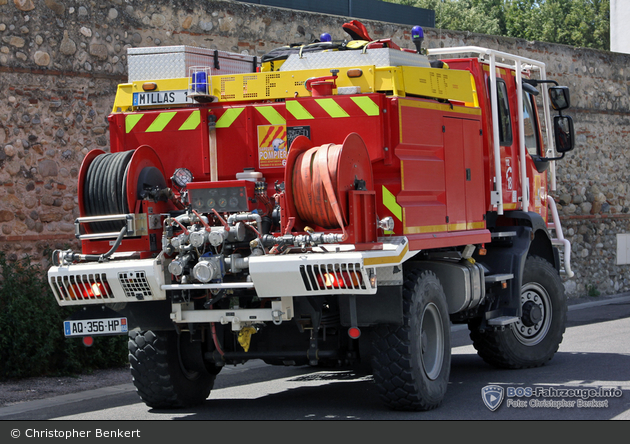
x=536 y=167
x=507 y=141
x=463 y=157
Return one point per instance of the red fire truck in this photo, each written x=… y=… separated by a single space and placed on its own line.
x=340 y=203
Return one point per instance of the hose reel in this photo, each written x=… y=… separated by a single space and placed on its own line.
x=320 y=178
x=112 y=183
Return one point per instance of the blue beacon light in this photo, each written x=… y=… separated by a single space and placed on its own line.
x=325 y=37
x=200 y=82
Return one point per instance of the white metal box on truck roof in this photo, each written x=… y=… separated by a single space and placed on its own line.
x=172 y=62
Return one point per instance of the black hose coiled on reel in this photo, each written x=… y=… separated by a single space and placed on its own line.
x=105 y=191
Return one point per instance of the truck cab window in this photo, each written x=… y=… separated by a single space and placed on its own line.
x=530 y=126
x=505 y=122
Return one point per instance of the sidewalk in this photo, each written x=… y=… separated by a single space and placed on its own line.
x=588 y=301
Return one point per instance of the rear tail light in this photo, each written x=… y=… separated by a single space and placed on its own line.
x=337 y=279
x=85 y=291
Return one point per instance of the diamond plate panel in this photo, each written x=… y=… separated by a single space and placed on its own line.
x=379 y=57
x=172 y=62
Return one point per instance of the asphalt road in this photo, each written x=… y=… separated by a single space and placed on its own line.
x=595 y=353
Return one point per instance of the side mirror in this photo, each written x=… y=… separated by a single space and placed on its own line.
x=564 y=133
x=560 y=98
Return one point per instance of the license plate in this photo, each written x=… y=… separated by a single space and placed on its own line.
x=94 y=327
x=174 y=97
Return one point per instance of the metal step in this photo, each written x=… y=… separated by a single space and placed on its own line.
x=502 y=234
x=491 y=278
x=502 y=321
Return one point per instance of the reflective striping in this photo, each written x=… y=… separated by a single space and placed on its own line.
x=192 y=122
x=332 y=108
x=443 y=228
x=426 y=229
x=297 y=110
x=272 y=115
x=368 y=261
x=457 y=227
x=367 y=105
x=499 y=71
x=476 y=225
x=228 y=117
x=439 y=107
x=131 y=120
x=389 y=200
x=160 y=122
x=341 y=106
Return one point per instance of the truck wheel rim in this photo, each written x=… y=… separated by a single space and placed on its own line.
x=531 y=329
x=432 y=341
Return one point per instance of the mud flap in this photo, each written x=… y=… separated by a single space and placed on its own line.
x=506 y=256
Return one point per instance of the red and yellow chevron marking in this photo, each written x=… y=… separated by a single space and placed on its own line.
x=154 y=121
x=336 y=107
x=272 y=146
x=267 y=134
x=333 y=107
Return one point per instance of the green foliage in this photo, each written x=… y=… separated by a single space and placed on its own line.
x=583 y=23
x=571 y=22
x=31 y=329
x=481 y=16
x=592 y=290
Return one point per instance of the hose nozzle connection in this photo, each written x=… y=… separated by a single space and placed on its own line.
x=66 y=257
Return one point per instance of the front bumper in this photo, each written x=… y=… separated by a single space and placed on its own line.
x=111 y=282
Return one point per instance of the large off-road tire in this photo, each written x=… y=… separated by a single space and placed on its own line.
x=535 y=338
x=168 y=369
x=411 y=363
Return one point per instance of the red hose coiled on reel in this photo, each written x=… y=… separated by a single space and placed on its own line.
x=321 y=178
x=314 y=187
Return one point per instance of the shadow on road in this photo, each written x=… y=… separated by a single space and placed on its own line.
x=346 y=396
x=262 y=392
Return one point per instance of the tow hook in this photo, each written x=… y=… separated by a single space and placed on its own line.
x=276 y=316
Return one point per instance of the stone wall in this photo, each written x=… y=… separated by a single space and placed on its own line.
x=60 y=62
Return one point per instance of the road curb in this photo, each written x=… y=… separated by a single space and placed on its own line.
x=70 y=398
x=622 y=298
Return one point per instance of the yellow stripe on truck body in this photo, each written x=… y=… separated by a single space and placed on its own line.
x=283 y=85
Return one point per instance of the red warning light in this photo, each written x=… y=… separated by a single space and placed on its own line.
x=354 y=332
